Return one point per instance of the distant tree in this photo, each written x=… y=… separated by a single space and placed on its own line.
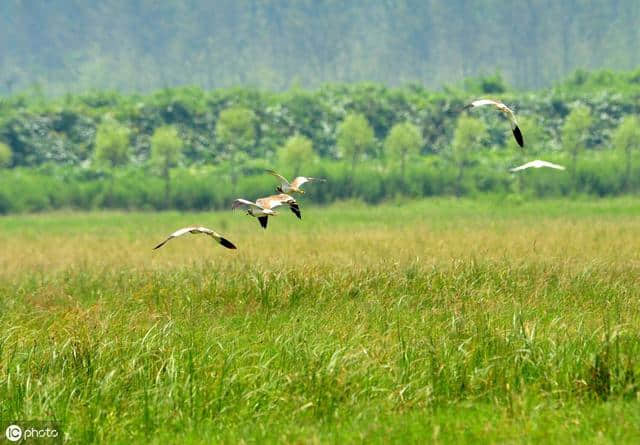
x=626 y=139
x=235 y=129
x=297 y=151
x=112 y=144
x=486 y=84
x=166 y=148
x=574 y=134
x=355 y=135
x=112 y=149
x=5 y=155
x=403 y=141
x=467 y=137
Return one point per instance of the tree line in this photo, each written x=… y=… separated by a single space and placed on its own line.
x=376 y=143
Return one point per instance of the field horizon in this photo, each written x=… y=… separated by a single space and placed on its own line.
x=451 y=321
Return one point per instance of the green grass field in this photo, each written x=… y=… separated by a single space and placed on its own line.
x=444 y=321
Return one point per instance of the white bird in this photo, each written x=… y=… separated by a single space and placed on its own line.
x=537 y=164
x=196 y=230
x=294 y=186
x=263 y=207
x=506 y=110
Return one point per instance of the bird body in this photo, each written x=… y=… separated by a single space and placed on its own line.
x=295 y=185
x=517 y=134
x=198 y=230
x=263 y=207
x=537 y=164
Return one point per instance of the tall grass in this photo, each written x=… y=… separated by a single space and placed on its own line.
x=450 y=321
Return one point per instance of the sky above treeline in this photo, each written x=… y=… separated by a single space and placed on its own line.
x=140 y=45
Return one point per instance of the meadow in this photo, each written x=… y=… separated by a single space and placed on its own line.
x=443 y=320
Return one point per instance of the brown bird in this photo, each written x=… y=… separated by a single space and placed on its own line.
x=294 y=186
x=196 y=230
x=506 y=110
x=263 y=207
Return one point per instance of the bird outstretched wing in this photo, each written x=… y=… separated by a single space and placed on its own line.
x=198 y=230
x=483 y=102
x=297 y=183
x=551 y=165
x=245 y=203
x=537 y=164
x=517 y=134
x=279 y=176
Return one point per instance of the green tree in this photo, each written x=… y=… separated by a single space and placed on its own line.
x=403 y=141
x=112 y=149
x=467 y=137
x=112 y=144
x=355 y=135
x=626 y=139
x=5 y=155
x=166 y=148
x=235 y=129
x=296 y=151
x=574 y=134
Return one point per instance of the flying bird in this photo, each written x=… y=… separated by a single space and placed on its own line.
x=263 y=207
x=506 y=110
x=196 y=230
x=537 y=164
x=294 y=186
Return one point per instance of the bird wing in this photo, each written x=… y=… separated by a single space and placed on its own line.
x=271 y=202
x=297 y=183
x=495 y=103
x=483 y=102
x=245 y=203
x=279 y=176
x=511 y=117
x=537 y=164
x=522 y=167
x=295 y=209
x=197 y=230
x=549 y=164
x=517 y=134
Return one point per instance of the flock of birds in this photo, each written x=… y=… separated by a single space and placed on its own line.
x=263 y=208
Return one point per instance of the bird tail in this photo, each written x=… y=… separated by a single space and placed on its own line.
x=263 y=221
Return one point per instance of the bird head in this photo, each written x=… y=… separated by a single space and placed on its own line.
x=279 y=189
